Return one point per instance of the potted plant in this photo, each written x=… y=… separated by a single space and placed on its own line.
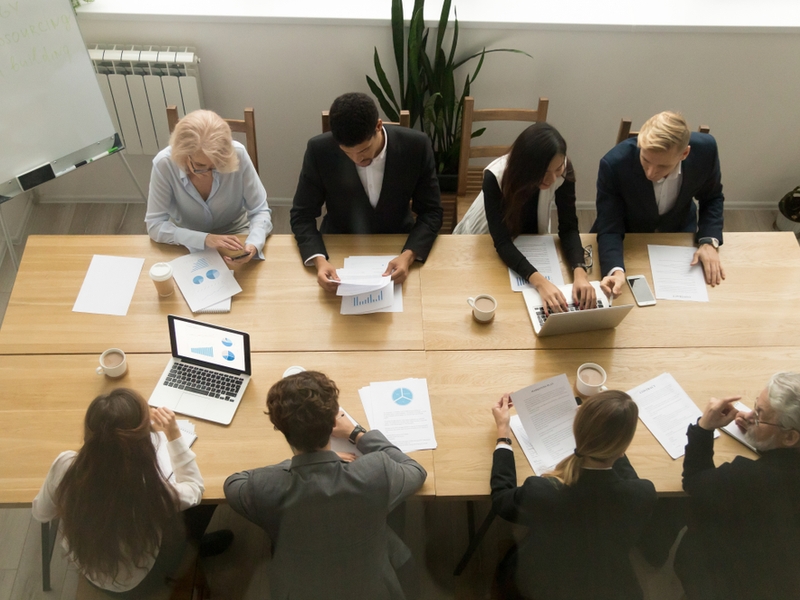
x=427 y=84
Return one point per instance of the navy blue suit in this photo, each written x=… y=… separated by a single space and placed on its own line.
x=626 y=202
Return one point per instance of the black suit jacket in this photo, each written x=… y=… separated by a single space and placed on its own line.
x=329 y=177
x=745 y=527
x=580 y=536
x=626 y=202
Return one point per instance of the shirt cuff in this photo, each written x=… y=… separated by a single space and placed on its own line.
x=502 y=445
x=309 y=262
x=614 y=270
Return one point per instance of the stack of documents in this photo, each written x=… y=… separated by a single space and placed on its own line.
x=162 y=454
x=543 y=425
x=204 y=280
x=364 y=289
x=540 y=250
x=401 y=410
x=667 y=411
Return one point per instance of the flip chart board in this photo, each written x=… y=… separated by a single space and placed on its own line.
x=52 y=115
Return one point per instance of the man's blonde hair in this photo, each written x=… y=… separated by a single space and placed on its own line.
x=664 y=132
x=204 y=131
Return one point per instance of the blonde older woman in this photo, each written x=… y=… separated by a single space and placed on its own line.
x=204 y=191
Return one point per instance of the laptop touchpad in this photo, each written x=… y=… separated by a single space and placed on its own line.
x=196 y=405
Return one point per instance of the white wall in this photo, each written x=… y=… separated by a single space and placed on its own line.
x=744 y=84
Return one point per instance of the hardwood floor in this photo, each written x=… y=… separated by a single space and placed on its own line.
x=435 y=530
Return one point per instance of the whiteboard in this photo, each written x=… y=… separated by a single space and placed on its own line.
x=51 y=110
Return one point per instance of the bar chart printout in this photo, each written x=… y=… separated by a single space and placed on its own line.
x=368 y=302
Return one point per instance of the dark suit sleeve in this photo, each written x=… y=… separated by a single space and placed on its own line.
x=503 y=243
x=405 y=475
x=710 y=200
x=533 y=499
x=426 y=202
x=610 y=224
x=568 y=233
x=699 y=473
x=307 y=206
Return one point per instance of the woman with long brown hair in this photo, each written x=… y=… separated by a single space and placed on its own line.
x=585 y=516
x=517 y=195
x=119 y=515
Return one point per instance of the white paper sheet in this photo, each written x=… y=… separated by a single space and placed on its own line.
x=204 y=279
x=369 y=302
x=360 y=281
x=673 y=278
x=547 y=410
x=527 y=448
x=540 y=250
x=109 y=285
x=667 y=411
x=401 y=410
x=162 y=454
x=377 y=265
x=732 y=429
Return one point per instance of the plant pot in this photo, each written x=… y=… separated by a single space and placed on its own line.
x=788 y=218
x=448 y=182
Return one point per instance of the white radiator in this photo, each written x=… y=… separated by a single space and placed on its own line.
x=139 y=82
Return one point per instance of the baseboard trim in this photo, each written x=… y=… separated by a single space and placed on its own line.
x=729 y=205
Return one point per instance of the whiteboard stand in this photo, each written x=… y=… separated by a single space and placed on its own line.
x=130 y=172
x=9 y=242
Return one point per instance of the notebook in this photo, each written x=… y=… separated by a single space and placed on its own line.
x=208 y=372
x=604 y=316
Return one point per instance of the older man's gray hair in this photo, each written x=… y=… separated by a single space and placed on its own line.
x=783 y=391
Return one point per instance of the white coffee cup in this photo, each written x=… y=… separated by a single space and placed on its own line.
x=112 y=363
x=293 y=371
x=161 y=274
x=483 y=307
x=591 y=379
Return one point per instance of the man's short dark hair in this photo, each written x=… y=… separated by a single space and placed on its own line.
x=353 y=118
x=303 y=407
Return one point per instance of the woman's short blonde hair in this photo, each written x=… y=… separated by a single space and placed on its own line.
x=204 y=131
x=664 y=132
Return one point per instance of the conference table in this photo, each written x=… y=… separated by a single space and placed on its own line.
x=730 y=345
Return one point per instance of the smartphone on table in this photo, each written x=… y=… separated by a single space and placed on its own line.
x=641 y=290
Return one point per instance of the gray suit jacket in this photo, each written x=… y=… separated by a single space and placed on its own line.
x=327 y=520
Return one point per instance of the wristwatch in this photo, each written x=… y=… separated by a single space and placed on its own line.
x=504 y=441
x=709 y=240
x=354 y=434
x=585 y=267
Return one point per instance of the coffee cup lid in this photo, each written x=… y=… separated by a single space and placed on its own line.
x=161 y=271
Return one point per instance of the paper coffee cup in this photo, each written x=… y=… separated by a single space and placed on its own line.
x=293 y=371
x=161 y=274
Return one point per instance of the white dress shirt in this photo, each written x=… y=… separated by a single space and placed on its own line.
x=177 y=214
x=372 y=175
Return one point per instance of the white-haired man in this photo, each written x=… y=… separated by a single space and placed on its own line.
x=744 y=532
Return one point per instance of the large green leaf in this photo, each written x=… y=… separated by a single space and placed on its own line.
x=477 y=54
x=387 y=87
x=388 y=109
x=398 y=28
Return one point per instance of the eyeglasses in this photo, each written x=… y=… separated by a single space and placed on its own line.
x=757 y=420
x=588 y=258
x=197 y=171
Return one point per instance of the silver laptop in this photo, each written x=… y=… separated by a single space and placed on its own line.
x=208 y=372
x=604 y=316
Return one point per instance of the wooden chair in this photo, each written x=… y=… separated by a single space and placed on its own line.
x=470 y=179
x=405 y=120
x=247 y=126
x=625 y=132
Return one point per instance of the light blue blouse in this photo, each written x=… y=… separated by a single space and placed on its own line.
x=177 y=214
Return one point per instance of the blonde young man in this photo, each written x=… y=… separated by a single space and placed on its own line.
x=648 y=184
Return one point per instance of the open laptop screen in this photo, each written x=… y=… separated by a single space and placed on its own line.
x=210 y=345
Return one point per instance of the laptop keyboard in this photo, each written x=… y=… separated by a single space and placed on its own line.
x=205 y=382
x=572 y=308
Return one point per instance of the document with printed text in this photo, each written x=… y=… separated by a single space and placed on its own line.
x=673 y=276
x=378 y=294
x=401 y=410
x=540 y=250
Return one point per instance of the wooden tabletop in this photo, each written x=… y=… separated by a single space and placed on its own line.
x=755 y=306
x=463 y=386
x=280 y=306
x=42 y=414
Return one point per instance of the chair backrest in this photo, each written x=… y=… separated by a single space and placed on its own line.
x=405 y=120
x=247 y=126
x=470 y=115
x=625 y=132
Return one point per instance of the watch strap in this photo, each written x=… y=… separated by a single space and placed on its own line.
x=354 y=434
x=504 y=441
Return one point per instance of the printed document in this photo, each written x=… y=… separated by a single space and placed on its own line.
x=390 y=301
x=109 y=285
x=667 y=411
x=401 y=410
x=540 y=250
x=539 y=468
x=673 y=277
x=204 y=279
x=546 y=411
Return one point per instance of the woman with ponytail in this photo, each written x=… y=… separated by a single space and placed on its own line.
x=119 y=515
x=585 y=516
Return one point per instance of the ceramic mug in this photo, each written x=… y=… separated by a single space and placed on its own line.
x=483 y=307
x=591 y=379
x=112 y=363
